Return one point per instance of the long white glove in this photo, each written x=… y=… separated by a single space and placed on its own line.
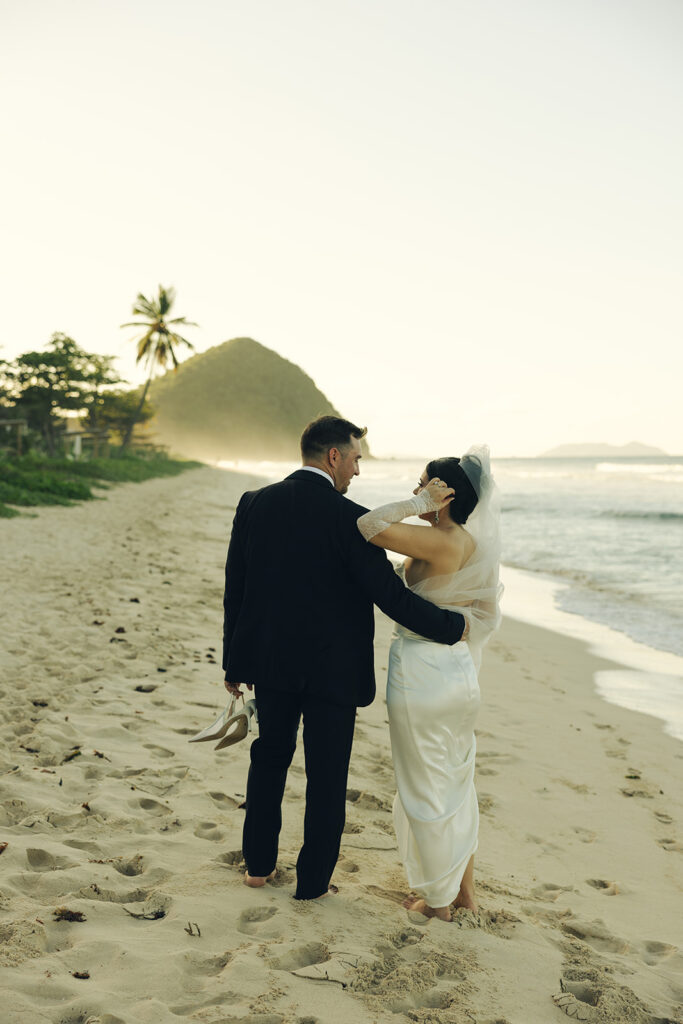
x=379 y=519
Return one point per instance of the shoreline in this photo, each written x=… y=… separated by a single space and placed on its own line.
x=580 y=847
x=645 y=679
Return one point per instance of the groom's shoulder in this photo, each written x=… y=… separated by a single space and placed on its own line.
x=268 y=489
x=352 y=510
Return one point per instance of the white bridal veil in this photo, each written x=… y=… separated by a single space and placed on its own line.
x=475 y=590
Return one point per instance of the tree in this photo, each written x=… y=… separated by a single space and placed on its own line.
x=157 y=344
x=42 y=386
x=115 y=409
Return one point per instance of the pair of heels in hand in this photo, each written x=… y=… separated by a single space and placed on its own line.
x=230 y=727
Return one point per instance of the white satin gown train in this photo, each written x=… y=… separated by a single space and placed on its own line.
x=433 y=699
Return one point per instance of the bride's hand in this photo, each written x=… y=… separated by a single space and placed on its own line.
x=439 y=493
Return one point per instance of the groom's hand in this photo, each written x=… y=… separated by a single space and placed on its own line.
x=234 y=688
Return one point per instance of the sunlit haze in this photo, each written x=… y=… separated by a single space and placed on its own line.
x=463 y=220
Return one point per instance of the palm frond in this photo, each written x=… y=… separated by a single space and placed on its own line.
x=182 y=320
x=165 y=300
x=178 y=339
x=145 y=345
x=144 y=307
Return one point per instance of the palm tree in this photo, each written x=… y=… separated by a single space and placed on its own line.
x=157 y=345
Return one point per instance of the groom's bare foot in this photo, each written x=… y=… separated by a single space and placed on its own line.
x=420 y=907
x=256 y=881
x=332 y=891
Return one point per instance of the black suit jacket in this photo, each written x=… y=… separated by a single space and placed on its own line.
x=300 y=583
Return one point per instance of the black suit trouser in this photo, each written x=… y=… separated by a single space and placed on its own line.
x=328 y=736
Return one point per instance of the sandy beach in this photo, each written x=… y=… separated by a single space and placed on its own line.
x=111 y=624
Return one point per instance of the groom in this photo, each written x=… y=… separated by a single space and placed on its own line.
x=300 y=584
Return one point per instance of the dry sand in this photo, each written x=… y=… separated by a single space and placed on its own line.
x=111 y=630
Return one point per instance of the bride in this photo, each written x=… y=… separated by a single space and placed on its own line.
x=432 y=690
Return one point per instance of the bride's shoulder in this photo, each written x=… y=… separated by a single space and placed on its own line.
x=468 y=542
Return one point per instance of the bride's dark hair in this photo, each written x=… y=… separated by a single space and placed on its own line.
x=453 y=475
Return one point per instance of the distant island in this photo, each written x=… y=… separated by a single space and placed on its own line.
x=238 y=400
x=601 y=451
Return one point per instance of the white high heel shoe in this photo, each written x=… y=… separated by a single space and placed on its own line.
x=242 y=722
x=227 y=718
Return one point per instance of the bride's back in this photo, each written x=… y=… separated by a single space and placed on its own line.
x=455 y=551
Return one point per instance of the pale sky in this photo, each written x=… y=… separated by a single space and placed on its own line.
x=463 y=218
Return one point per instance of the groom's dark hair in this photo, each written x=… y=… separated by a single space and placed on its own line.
x=328 y=432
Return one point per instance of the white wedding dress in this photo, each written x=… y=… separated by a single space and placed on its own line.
x=433 y=699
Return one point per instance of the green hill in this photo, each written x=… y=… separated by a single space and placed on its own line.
x=237 y=400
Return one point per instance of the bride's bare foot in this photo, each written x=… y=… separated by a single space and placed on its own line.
x=420 y=907
x=256 y=881
x=466 y=901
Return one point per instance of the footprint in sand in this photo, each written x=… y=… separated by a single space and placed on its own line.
x=284 y=876
x=665 y=819
x=13 y=812
x=432 y=999
x=591 y=995
x=185 y=1009
x=232 y=859
x=670 y=845
x=213 y=965
x=486 y=803
x=392 y=895
x=224 y=801
x=250 y=921
x=349 y=866
x=584 y=834
x=153 y=806
x=501 y=757
x=94 y=892
x=129 y=866
x=595 y=934
x=301 y=956
x=639 y=791
x=209 y=830
x=653 y=952
x=367 y=800
x=606 y=888
x=549 y=891
x=578 y=787
x=405 y=937
x=42 y=860
x=401 y=984
x=575 y=1007
x=161 y=752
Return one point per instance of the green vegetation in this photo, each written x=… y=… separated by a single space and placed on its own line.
x=40 y=387
x=44 y=393
x=239 y=400
x=60 y=409
x=115 y=411
x=32 y=480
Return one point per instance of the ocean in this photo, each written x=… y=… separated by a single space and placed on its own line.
x=593 y=547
